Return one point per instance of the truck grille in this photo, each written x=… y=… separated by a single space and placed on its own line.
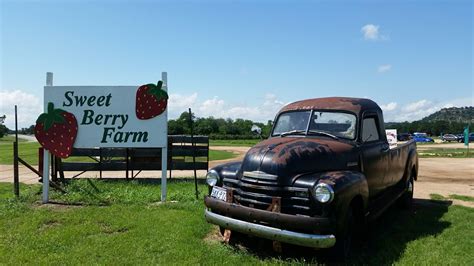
x=256 y=189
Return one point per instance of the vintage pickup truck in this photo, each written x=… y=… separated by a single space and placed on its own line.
x=324 y=172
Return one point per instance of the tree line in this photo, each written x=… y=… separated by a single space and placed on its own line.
x=434 y=128
x=217 y=128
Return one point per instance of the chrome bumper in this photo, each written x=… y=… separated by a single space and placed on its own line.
x=272 y=233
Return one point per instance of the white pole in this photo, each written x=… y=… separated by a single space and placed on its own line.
x=164 y=150
x=49 y=82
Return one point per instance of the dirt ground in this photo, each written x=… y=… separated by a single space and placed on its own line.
x=444 y=176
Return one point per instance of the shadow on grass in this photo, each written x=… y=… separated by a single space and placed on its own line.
x=386 y=240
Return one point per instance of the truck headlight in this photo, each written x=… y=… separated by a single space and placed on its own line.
x=212 y=177
x=323 y=193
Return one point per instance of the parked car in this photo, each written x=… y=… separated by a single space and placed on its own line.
x=324 y=172
x=471 y=137
x=449 y=138
x=421 y=137
x=404 y=137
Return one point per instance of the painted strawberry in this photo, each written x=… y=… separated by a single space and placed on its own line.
x=151 y=101
x=56 y=131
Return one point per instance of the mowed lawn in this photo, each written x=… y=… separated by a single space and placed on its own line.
x=235 y=142
x=28 y=151
x=446 y=153
x=119 y=222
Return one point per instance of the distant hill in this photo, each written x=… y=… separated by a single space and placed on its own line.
x=447 y=120
x=452 y=114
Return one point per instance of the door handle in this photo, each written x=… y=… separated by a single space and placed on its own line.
x=385 y=148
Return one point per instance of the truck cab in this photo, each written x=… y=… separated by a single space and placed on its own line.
x=325 y=170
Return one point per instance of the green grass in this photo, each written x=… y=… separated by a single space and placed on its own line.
x=461 y=197
x=118 y=223
x=437 y=197
x=452 y=196
x=221 y=155
x=122 y=223
x=28 y=151
x=237 y=142
x=449 y=153
x=10 y=138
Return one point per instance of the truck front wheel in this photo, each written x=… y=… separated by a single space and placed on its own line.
x=344 y=238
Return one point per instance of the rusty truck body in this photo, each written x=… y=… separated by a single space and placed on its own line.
x=324 y=172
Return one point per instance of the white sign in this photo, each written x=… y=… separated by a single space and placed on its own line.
x=106 y=116
x=391 y=137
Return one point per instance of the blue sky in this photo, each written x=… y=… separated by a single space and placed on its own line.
x=243 y=58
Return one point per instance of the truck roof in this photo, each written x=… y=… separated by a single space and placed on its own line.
x=356 y=105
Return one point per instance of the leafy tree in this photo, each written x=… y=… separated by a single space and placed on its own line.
x=27 y=130
x=216 y=128
x=3 y=130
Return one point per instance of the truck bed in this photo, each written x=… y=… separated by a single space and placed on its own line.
x=398 y=160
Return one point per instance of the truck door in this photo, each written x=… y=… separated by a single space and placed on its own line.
x=375 y=153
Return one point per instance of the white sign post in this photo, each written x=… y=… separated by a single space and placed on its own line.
x=49 y=82
x=164 y=149
x=391 y=137
x=107 y=118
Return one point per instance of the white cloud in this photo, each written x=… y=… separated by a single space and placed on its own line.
x=212 y=107
x=217 y=107
x=371 y=33
x=220 y=108
x=29 y=108
x=178 y=103
x=416 y=106
x=384 y=68
x=419 y=109
x=389 y=107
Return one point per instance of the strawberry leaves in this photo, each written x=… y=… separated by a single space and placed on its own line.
x=157 y=91
x=51 y=117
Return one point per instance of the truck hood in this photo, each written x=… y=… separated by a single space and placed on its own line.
x=288 y=157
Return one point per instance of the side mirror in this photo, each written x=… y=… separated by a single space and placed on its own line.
x=257 y=130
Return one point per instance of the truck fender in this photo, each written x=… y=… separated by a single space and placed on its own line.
x=227 y=171
x=412 y=161
x=348 y=186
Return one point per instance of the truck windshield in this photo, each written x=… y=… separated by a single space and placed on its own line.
x=292 y=122
x=329 y=123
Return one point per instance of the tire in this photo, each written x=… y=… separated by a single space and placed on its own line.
x=344 y=239
x=221 y=230
x=406 y=200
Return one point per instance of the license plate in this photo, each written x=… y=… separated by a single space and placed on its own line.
x=219 y=193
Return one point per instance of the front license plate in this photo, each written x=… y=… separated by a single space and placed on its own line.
x=219 y=193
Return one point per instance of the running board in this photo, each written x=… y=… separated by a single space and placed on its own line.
x=382 y=203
